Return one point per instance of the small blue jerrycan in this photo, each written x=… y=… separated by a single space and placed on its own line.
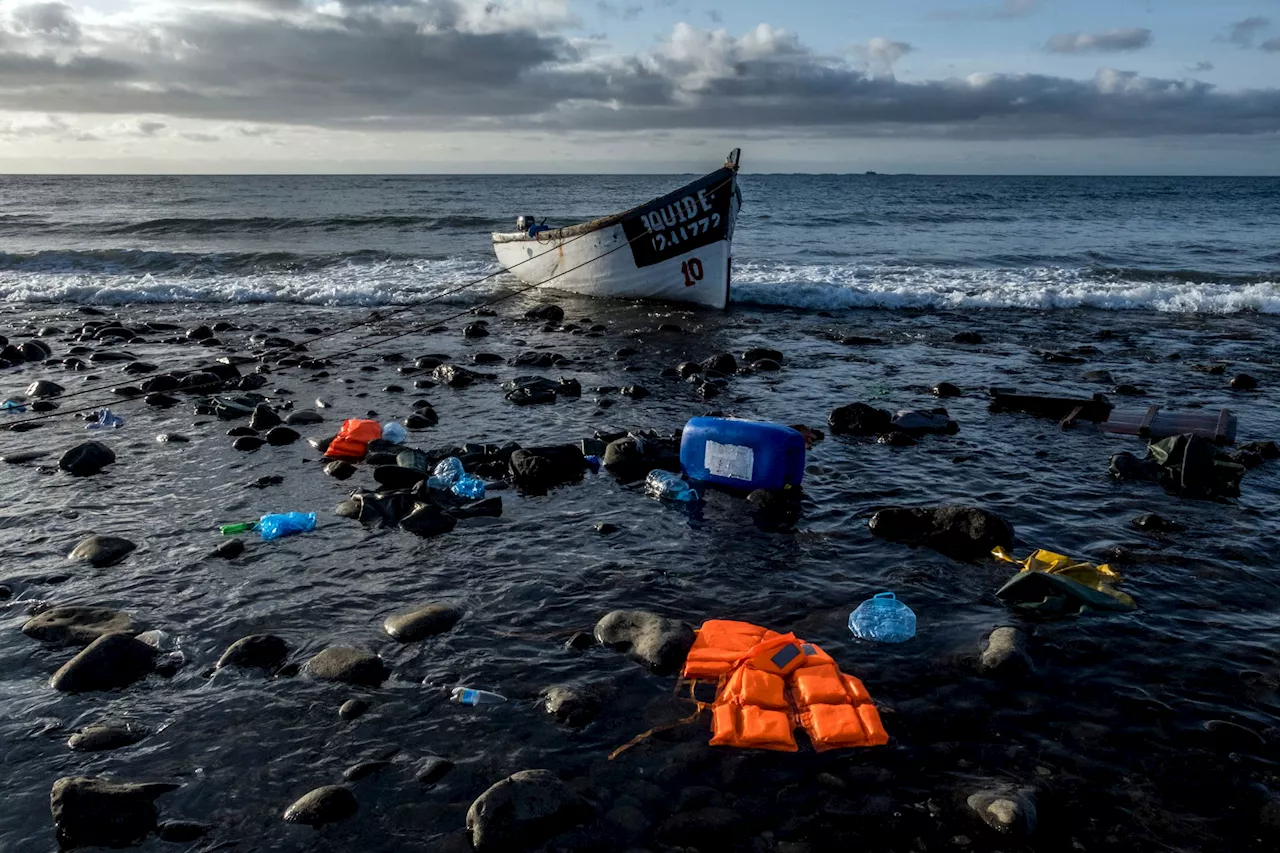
x=883 y=619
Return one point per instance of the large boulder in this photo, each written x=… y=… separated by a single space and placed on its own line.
x=522 y=811
x=963 y=532
x=349 y=666
x=90 y=812
x=328 y=804
x=660 y=643
x=101 y=551
x=860 y=419
x=422 y=622
x=257 y=651
x=86 y=459
x=76 y=625
x=721 y=363
x=109 y=662
x=546 y=313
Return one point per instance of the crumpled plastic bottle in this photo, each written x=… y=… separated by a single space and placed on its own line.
x=471 y=696
x=394 y=432
x=13 y=406
x=469 y=486
x=669 y=487
x=884 y=619
x=446 y=473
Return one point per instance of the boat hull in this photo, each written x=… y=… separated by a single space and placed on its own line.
x=676 y=249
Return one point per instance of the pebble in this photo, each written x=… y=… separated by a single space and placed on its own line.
x=261 y=651
x=432 y=769
x=422 y=622
x=172 y=438
x=303 y=417
x=281 y=436
x=182 y=831
x=248 y=443
x=91 y=812
x=76 y=625
x=349 y=666
x=946 y=389
x=340 y=470
x=1006 y=653
x=963 y=532
x=364 y=769
x=86 y=459
x=105 y=736
x=572 y=705
x=1006 y=810
x=660 y=643
x=101 y=551
x=352 y=709
x=523 y=810
x=1243 y=382
x=328 y=804
x=112 y=661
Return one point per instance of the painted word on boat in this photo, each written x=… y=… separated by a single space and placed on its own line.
x=675 y=248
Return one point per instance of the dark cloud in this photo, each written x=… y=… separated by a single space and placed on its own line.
x=1110 y=41
x=480 y=65
x=53 y=22
x=1199 y=67
x=1009 y=10
x=1243 y=33
x=1271 y=45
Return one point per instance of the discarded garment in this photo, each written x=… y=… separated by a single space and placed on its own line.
x=352 y=441
x=1082 y=583
x=770 y=683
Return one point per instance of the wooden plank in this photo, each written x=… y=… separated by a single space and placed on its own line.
x=1144 y=428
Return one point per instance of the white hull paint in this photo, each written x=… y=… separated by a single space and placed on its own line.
x=602 y=262
x=598 y=264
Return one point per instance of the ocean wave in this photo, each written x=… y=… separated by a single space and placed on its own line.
x=236 y=224
x=834 y=287
x=141 y=262
x=395 y=281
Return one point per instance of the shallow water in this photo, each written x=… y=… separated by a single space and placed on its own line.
x=1110 y=728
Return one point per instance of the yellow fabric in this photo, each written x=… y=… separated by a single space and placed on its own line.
x=1098 y=577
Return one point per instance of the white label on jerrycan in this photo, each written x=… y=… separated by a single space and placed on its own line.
x=734 y=461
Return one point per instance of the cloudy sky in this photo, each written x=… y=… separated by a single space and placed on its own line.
x=1003 y=86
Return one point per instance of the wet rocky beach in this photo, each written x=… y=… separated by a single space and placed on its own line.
x=1155 y=729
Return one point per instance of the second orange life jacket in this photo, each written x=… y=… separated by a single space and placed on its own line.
x=770 y=683
x=352 y=441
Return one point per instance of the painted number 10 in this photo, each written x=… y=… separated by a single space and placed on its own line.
x=692 y=270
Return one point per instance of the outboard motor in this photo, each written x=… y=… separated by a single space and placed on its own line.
x=523 y=223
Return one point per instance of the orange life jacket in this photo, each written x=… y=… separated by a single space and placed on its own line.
x=352 y=441
x=768 y=683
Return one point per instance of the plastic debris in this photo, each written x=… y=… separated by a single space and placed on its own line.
x=884 y=619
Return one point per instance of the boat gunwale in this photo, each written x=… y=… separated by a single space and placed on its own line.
x=555 y=234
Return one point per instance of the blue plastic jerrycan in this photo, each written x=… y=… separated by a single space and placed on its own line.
x=884 y=619
x=744 y=455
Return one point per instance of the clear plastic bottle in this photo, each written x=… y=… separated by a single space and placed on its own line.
x=669 y=487
x=281 y=524
x=394 y=432
x=470 y=696
x=446 y=473
x=469 y=486
x=883 y=619
x=105 y=419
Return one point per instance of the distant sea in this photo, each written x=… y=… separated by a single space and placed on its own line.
x=804 y=241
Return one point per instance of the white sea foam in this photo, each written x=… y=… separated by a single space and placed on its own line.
x=833 y=287
x=365 y=284
x=810 y=286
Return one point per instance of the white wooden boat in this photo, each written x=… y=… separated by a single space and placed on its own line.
x=675 y=248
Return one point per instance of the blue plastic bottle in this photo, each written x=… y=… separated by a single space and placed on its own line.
x=281 y=524
x=745 y=455
x=469 y=486
x=669 y=487
x=394 y=432
x=883 y=619
x=446 y=473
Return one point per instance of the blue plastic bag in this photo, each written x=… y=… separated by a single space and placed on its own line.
x=280 y=524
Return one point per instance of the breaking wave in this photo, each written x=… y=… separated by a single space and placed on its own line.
x=835 y=287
